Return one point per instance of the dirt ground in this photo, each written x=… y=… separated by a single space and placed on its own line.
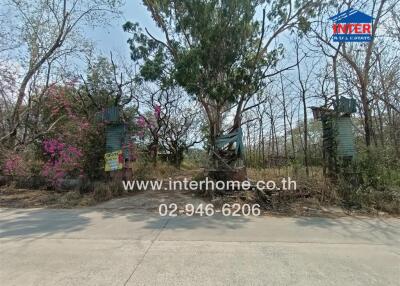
x=11 y=197
x=20 y=198
x=149 y=201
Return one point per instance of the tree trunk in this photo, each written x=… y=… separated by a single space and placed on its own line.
x=366 y=114
x=380 y=124
x=305 y=132
x=292 y=137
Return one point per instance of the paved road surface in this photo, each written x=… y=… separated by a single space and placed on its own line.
x=123 y=247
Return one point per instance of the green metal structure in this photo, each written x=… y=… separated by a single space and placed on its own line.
x=337 y=132
x=345 y=138
x=235 y=138
x=115 y=134
x=229 y=155
x=116 y=131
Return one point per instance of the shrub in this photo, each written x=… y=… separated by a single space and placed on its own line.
x=373 y=182
x=70 y=199
x=62 y=160
x=14 y=165
x=104 y=191
x=101 y=192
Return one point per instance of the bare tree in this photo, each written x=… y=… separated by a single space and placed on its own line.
x=303 y=77
x=48 y=30
x=181 y=130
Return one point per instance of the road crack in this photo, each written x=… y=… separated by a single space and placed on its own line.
x=146 y=251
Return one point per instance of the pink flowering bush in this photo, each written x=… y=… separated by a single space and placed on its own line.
x=62 y=160
x=77 y=128
x=60 y=105
x=150 y=123
x=14 y=165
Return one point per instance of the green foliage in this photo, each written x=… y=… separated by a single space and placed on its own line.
x=373 y=181
x=152 y=69
x=378 y=168
x=93 y=153
x=212 y=48
x=195 y=158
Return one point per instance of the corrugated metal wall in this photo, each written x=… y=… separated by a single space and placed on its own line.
x=111 y=115
x=345 y=139
x=115 y=137
x=346 y=105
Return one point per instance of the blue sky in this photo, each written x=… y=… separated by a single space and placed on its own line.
x=113 y=38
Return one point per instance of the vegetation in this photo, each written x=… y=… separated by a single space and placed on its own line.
x=207 y=69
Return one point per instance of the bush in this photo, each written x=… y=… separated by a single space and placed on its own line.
x=373 y=182
x=62 y=160
x=14 y=165
x=31 y=182
x=70 y=199
x=104 y=191
x=86 y=186
x=23 y=167
x=101 y=192
x=93 y=149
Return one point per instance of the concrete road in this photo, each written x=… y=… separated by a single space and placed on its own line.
x=117 y=247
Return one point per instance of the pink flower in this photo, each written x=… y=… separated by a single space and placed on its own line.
x=157 y=111
x=62 y=160
x=14 y=165
x=141 y=121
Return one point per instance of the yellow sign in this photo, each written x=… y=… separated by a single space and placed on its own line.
x=114 y=161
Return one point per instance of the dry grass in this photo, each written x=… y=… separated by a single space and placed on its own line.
x=144 y=170
x=318 y=192
x=14 y=197
x=315 y=185
x=313 y=193
x=91 y=193
x=104 y=191
x=274 y=173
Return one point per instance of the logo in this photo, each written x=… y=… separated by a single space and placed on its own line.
x=352 y=26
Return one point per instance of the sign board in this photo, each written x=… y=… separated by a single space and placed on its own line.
x=114 y=161
x=352 y=26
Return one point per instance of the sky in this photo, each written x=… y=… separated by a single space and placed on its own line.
x=110 y=36
x=113 y=38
